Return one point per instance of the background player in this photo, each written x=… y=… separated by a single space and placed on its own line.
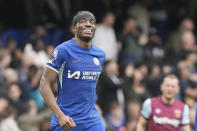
x=165 y=113
x=77 y=65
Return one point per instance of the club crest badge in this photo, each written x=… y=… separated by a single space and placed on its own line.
x=53 y=57
x=177 y=113
x=96 y=61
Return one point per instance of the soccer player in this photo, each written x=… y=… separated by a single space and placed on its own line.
x=76 y=64
x=165 y=113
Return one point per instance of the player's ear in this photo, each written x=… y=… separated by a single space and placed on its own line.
x=74 y=28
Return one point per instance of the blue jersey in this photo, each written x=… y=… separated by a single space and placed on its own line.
x=78 y=71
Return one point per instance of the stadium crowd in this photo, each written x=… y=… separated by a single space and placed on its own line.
x=141 y=43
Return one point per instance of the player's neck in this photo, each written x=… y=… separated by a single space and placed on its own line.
x=82 y=43
x=167 y=101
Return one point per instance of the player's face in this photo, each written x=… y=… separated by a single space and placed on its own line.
x=85 y=29
x=169 y=88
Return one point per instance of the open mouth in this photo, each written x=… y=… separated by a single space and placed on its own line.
x=88 y=31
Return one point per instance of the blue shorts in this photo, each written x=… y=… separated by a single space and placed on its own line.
x=81 y=127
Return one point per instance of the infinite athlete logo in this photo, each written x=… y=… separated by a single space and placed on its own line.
x=76 y=74
x=86 y=75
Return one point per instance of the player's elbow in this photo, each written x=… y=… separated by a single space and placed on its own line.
x=42 y=84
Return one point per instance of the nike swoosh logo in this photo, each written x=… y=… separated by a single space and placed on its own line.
x=75 y=61
x=95 y=115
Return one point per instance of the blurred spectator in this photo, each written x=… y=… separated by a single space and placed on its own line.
x=105 y=37
x=126 y=73
x=126 y=77
x=49 y=50
x=189 y=65
x=154 y=80
x=154 y=50
x=188 y=41
x=174 y=43
x=4 y=104
x=167 y=69
x=133 y=113
x=18 y=65
x=44 y=125
x=31 y=85
x=14 y=92
x=116 y=119
x=131 y=126
x=30 y=119
x=143 y=67
x=184 y=83
x=17 y=55
x=139 y=10
x=5 y=58
x=36 y=52
x=14 y=95
x=9 y=123
x=27 y=62
x=10 y=76
x=38 y=33
x=159 y=17
x=108 y=86
x=11 y=44
x=131 y=50
x=190 y=61
x=136 y=91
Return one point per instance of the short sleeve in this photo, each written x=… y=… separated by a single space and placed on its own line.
x=56 y=60
x=146 y=109
x=185 y=119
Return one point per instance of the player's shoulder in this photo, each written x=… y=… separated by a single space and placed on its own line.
x=64 y=45
x=179 y=103
x=148 y=100
x=155 y=99
x=97 y=49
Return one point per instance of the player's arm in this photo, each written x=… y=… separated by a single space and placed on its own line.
x=145 y=114
x=185 y=119
x=141 y=125
x=186 y=128
x=48 y=77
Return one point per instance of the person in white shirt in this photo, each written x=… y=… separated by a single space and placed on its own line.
x=105 y=37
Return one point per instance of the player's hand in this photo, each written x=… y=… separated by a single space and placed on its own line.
x=66 y=122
